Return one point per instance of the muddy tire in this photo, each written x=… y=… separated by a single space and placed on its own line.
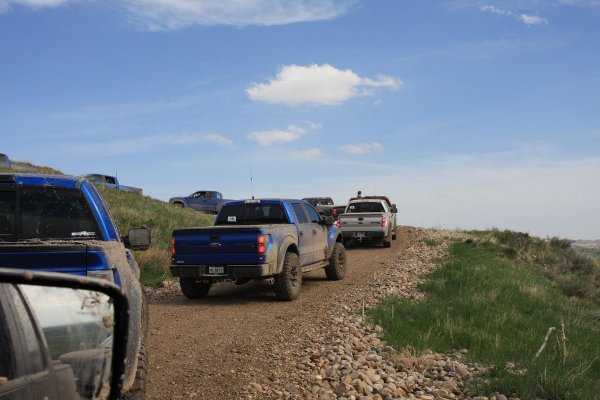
x=192 y=289
x=336 y=270
x=289 y=281
x=138 y=389
x=387 y=241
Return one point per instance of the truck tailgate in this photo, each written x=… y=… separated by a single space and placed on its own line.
x=361 y=221
x=217 y=246
x=74 y=258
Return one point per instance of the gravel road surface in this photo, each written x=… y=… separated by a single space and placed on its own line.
x=241 y=343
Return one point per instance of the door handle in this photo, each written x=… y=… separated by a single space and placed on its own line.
x=314 y=231
x=301 y=233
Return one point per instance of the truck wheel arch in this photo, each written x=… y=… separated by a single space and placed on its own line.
x=287 y=246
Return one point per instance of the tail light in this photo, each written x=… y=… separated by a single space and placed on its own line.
x=338 y=223
x=104 y=274
x=334 y=212
x=262 y=242
x=383 y=222
x=173 y=246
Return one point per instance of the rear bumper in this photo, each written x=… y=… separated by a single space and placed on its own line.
x=363 y=235
x=229 y=271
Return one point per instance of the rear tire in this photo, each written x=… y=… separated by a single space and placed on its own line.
x=336 y=270
x=192 y=289
x=289 y=281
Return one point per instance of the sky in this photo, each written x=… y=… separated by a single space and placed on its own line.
x=468 y=114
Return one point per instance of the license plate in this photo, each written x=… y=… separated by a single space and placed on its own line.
x=359 y=234
x=216 y=270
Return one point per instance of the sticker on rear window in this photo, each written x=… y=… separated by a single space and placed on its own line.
x=83 y=234
x=231 y=218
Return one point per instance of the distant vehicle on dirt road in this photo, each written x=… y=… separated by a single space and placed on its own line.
x=369 y=218
x=209 y=201
x=270 y=239
x=111 y=181
x=325 y=206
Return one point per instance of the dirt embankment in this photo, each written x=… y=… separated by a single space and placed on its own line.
x=240 y=343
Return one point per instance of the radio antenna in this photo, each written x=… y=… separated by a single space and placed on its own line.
x=250 y=169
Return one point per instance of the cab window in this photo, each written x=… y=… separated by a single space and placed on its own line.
x=299 y=211
x=313 y=215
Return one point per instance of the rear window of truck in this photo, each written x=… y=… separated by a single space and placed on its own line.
x=365 y=207
x=46 y=213
x=251 y=214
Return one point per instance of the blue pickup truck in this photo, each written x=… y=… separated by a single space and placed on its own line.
x=208 y=201
x=111 y=182
x=60 y=224
x=271 y=239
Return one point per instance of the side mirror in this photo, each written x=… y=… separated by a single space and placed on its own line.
x=394 y=209
x=79 y=325
x=138 y=239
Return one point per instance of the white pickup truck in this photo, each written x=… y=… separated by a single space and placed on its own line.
x=369 y=218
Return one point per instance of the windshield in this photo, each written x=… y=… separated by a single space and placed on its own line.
x=46 y=213
x=251 y=214
x=365 y=207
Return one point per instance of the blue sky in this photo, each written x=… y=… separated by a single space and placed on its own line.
x=467 y=113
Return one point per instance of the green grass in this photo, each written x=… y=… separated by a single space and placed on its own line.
x=499 y=305
x=431 y=242
x=16 y=165
x=131 y=210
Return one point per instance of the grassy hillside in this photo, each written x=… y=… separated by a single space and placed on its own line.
x=588 y=247
x=497 y=296
x=132 y=210
x=20 y=166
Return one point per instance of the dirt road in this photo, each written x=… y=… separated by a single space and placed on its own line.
x=214 y=347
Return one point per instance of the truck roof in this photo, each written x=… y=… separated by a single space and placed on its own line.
x=382 y=198
x=66 y=181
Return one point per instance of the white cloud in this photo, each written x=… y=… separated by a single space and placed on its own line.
x=362 y=148
x=138 y=145
x=316 y=84
x=307 y=154
x=494 y=10
x=532 y=19
x=593 y=3
x=5 y=5
x=525 y=18
x=179 y=14
x=274 y=136
x=187 y=138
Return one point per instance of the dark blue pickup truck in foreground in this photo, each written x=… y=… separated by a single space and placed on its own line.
x=271 y=239
x=60 y=224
